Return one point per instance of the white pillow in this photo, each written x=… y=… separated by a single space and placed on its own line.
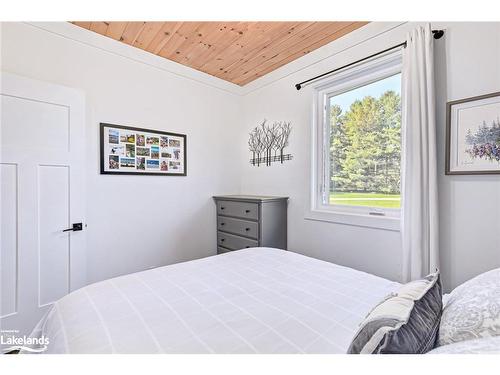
x=472 y=310
x=486 y=345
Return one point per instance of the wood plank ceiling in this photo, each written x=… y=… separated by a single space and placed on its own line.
x=238 y=52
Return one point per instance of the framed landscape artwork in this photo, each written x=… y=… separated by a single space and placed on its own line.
x=473 y=135
x=127 y=150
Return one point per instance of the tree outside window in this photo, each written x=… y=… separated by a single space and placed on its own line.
x=365 y=145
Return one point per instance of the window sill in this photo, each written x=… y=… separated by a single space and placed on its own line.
x=355 y=219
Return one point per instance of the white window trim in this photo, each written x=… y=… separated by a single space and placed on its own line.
x=389 y=219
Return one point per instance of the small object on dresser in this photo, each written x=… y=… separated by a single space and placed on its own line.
x=245 y=221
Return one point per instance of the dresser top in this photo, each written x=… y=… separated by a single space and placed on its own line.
x=249 y=198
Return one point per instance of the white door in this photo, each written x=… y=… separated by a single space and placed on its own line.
x=42 y=140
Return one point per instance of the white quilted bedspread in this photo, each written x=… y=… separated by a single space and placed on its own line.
x=258 y=300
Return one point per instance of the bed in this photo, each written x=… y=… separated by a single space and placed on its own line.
x=257 y=300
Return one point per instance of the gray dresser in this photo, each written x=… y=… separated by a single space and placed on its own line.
x=245 y=221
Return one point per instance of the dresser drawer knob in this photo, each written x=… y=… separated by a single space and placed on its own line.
x=222 y=207
x=247 y=247
x=222 y=224
x=222 y=239
x=247 y=211
x=247 y=229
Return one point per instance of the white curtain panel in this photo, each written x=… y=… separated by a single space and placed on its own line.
x=419 y=218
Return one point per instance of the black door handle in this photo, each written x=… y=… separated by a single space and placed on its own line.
x=76 y=227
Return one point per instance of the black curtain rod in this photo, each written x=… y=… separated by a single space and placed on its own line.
x=436 y=33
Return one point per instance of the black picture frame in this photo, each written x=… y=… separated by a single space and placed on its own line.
x=103 y=160
x=449 y=107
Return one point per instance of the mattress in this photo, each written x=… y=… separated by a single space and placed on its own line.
x=258 y=300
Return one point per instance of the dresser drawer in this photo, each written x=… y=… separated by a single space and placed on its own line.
x=239 y=209
x=221 y=250
x=233 y=242
x=238 y=226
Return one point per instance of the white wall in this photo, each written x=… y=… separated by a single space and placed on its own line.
x=467 y=64
x=371 y=250
x=141 y=222
x=137 y=222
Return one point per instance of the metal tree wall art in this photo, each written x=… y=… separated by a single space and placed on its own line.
x=267 y=143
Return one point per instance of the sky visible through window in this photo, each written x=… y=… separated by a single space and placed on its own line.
x=376 y=89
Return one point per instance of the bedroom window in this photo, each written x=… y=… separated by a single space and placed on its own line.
x=357 y=150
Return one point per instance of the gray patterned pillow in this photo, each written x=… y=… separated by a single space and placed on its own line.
x=406 y=322
x=472 y=310
x=486 y=345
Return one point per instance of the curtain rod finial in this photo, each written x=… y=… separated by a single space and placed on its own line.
x=438 y=33
x=298 y=86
